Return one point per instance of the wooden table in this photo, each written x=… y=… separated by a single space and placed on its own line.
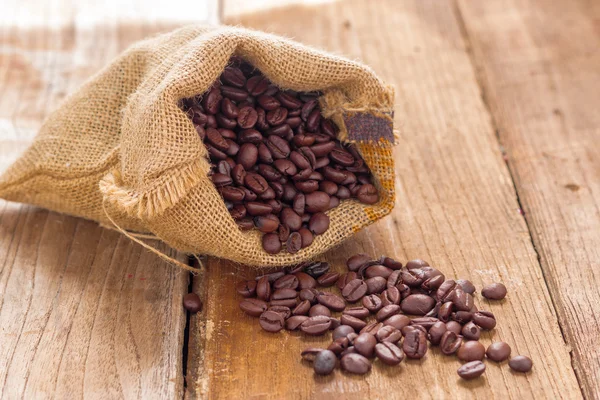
x=498 y=179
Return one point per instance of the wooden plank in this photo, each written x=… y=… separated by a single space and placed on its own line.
x=456 y=207
x=539 y=65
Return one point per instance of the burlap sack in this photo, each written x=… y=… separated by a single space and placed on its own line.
x=121 y=146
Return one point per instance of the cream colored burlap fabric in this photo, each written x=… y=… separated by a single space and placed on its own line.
x=120 y=144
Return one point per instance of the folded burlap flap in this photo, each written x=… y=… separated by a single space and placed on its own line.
x=120 y=145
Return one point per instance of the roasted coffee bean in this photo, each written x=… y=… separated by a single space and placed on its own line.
x=319 y=223
x=390 y=296
x=445 y=311
x=367 y=194
x=192 y=303
x=417 y=304
x=331 y=301
x=308 y=294
x=278 y=147
x=484 y=319
x=245 y=224
x=310 y=353
x=305 y=281
x=389 y=353
x=307 y=237
x=342 y=331
x=462 y=300
x=376 y=284
x=357 y=312
x=267 y=223
x=357 y=261
x=378 y=270
x=425 y=322
x=411 y=328
x=349 y=350
x=246 y=288
x=494 y=291
x=253 y=307
x=354 y=322
x=277 y=116
x=520 y=363
x=316 y=325
x=471 y=370
x=294 y=243
x=372 y=328
x=285 y=302
x=319 y=309
x=283 y=294
x=271 y=321
x=433 y=283
x=257 y=85
x=454 y=326
x=462 y=317
x=328 y=187
x=247 y=156
x=212 y=101
x=345 y=279
x=446 y=291
x=355 y=363
x=324 y=362
x=436 y=332
x=412 y=277
x=415 y=344
x=263 y=289
x=387 y=312
x=365 y=344
x=450 y=342
x=498 y=351
x=328 y=279
x=229 y=109
x=238 y=211
x=286 y=281
x=256 y=208
x=334 y=323
x=233 y=76
x=471 y=331
x=388 y=334
x=466 y=285
x=394 y=279
x=398 y=321
x=471 y=351
x=294 y=322
x=372 y=302
x=271 y=243
x=316 y=269
x=354 y=290
x=283 y=310
x=302 y=308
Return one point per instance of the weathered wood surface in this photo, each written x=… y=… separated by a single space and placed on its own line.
x=539 y=64
x=456 y=207
x=83 y=311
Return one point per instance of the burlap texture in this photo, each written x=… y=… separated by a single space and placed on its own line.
x=121 y=141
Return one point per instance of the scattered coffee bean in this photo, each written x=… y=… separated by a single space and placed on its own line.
x=357 y=261
x=520 y=364
x=436 y=332
x=389 y=334
x=324 y=362
x=354 y=290
x=271 y=321
x=328 y=279
x=319 y=309
x=470 y=351
x=253 y=307
x=484 y=319
x=470 y=331
x=376 y=284
x=246 y=288
x=450 y=342
x=192 y=303
x=389 y=353
x=494 y=291
x=309 y=354
x=331 y=301
x=316 y=325
x=417 y=304
x=342 y=331
x=471 y=370
x=365 y=344
x=466 y=285
x=302 y=308
x=415 y=344
x=498 y=351
x=387 y=312
x=454 y=326
x=305 y=281
x=294 y=322
x=316 y=269
x=398 y=321
x=357 y=312
x=372 y=303
x=355 y=363
x=354 y=322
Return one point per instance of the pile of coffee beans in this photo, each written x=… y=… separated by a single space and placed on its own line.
x=384 y=293
x=275 y=159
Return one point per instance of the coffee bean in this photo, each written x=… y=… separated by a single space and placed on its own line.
x=387 y=312
x=316 y=269
x=267 y=223
x=520 y=363
x=283 y=310
x=411 y=328
x=355 y=363
x=494 y=291
x=378 y=270
x=365 y=344
x=436 y=332
x=471 y=370
x=398 y=321
x=390 y=296
x=372 y=302
x=354 y=322
x=294 y=243
x=372 y=328
x=192 y=303
x=316 y=325
x=285 y=302
x=302 y=308
x=433 y=283
x=345 y=279
x=357 y=312
x=319 y=223
x=271 y=277
x=324 y=362
x=368 y=194
x=389 y=353
x=286 y=281
x=415 y=344
x=462 y=300
x=498 y=351
x=271 y=321
x=445 y=311
x=450 y=342
x=307 y=237
x=308 y=294
x=417 y=304
x=328 y=279
x=388 y=334
x=342 y=331
x=271 y=243
x=294 y=322
x=263 y=289
x=354 y=290
x=334 y=323
x=246 y=288
x=471 y=351
x=454 y=326
x=484 y=319
x=319 y=309
x=445 y=291
x=462 y=317
x=317 y=202
x=466 y=285
x=331 y=301
x=376 y=284
x=425 y=322
x=471 y=331
x=305 y=281
x=309 y=354
x=357 y=261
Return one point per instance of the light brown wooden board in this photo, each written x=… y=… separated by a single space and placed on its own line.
x=539 y=64
x=456 y=207
x=83 y=311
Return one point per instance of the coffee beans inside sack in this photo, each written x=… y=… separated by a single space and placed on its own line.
x=220 y=141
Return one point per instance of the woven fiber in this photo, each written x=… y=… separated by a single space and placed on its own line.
x=122 y=141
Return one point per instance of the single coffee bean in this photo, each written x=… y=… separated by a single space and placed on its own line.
x=324 y=362
x=349 y=350
x=454 y=326
x=278 y=147
x=498 y=351
x=387 y=312
x=283 y=294
x=462 y=317
x=316 y=269
x=357 y=312
x=376 y=284
x=445 y=291
x=417 y=304
x=294 y=322
x=416 y=263
x=305 y=281
x=354 y=290
x=520 y=363
x=390 y=296
x=412 y=277
x=192 y=303
x=271 y=321
x=389 y=353
x=263 y=289
x=425 y=322
x=308 y=294
x=246 y=288
x=367 y=194
x=365 y=344
x=372 y=328
x=253 y=307
x=450 y=342
x=319 y=223
x=415 y=344
x=334 y=323
x=302 y=308
x=283 y=310
x=307 y=237
x=471 y=370
x=471 y=331
x=355 y=363
x=316 y=325
x=319 y=309
x=494 y=291
x=285 y=302
x=466 y=285
x=342 y=331
x=445 y=311
x=378 y=270
x=331 y=301
x=372 y=302
x=484 y=319
x=436 y=332
x=309 y=354
x=271 y=243
x=433 y=283
x=388 y=334
x=462 y=300
x=294 y=243
x=257 y=85
x=470 y=351
x=354 y=322
x=317 y=202
x=394 y=279
x=398 y=321
x=357 y=261
x=411 y=328
x=286 y=281
x=404 y=290
x=266 y=223
x=328 y=279
x=345 y=279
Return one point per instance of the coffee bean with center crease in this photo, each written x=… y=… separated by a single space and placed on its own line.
x=390 y=296
x=294 y=243
x=246 y=288
x=283 y=310
x=271 y=321
x=302 y=308
x=331 y=301
x=389 y=353
x=376 y=284
x=305 y=281
x=417 y=304
x=471 y=370
x=354 y=290
x=310 y=353
x=415 y=344
x=328 y=279
x=342 y=331
x=316 y=269
x=294 y=322
x=344 y=279
x=316 y=325
x=398 y=321
x=357 y=312
x=253 y=307
x=425 y=322
x=354 y=322
x=387 y=312
x=355 y=363
x=365 y=344
x=484 y=319
x=388 y=334
x=357 y=261
x=372 y=302
x=286 y=281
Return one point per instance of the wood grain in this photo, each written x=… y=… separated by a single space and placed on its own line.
x=539 y=65
x=456 y=207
